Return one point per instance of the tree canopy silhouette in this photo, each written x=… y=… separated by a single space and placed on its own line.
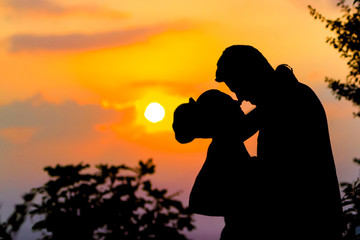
x=115 y=202
x=347 y=43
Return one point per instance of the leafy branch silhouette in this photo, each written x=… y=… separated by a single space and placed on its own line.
x=115 y=202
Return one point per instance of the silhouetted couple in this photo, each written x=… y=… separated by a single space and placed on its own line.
x=290 y=190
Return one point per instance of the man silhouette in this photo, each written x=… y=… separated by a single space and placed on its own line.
x=298 y=194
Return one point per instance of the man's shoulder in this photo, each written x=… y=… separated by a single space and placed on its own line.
x=303 y=87
x=308 y=100
x=306 y=93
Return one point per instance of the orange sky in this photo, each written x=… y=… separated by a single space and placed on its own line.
x=76 y=78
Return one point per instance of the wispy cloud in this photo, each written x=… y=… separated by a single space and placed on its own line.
x=43 y=121
x=78 y=41
x=46 y=9
x=38 y=5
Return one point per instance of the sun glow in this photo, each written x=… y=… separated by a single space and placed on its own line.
x=146 y=113
x=154 y=112
x=168 y=101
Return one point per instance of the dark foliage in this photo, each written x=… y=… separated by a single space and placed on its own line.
x=351 y=205
x=347 y=42
x=9 y=229
x=115 y=202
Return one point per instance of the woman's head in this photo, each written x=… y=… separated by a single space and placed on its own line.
x=183 y=124
x=208 y=117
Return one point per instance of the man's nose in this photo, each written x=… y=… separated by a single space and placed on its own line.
x=218 y=77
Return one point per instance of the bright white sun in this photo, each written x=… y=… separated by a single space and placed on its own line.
x=154 y=112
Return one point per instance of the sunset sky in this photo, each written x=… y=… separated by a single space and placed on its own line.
x=76 y=77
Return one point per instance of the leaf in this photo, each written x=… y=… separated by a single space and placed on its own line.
x=40 y=225
x=146 y=167
x=357 y=160
x=28 y=197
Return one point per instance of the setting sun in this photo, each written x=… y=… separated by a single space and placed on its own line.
x=154 y=112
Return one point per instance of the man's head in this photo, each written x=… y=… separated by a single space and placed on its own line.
x=245 y=71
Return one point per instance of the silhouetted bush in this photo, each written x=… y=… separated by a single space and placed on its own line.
x=115 y=202
x=351 y=205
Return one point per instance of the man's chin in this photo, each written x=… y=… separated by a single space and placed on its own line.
x=252 y=101
x=241 y=99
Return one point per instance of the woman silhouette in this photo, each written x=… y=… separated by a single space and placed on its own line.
x=222 y=186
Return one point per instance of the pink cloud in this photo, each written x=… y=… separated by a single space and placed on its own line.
x=79 y=41
x=38 y=5
x=44 y=9
x=17 y=135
